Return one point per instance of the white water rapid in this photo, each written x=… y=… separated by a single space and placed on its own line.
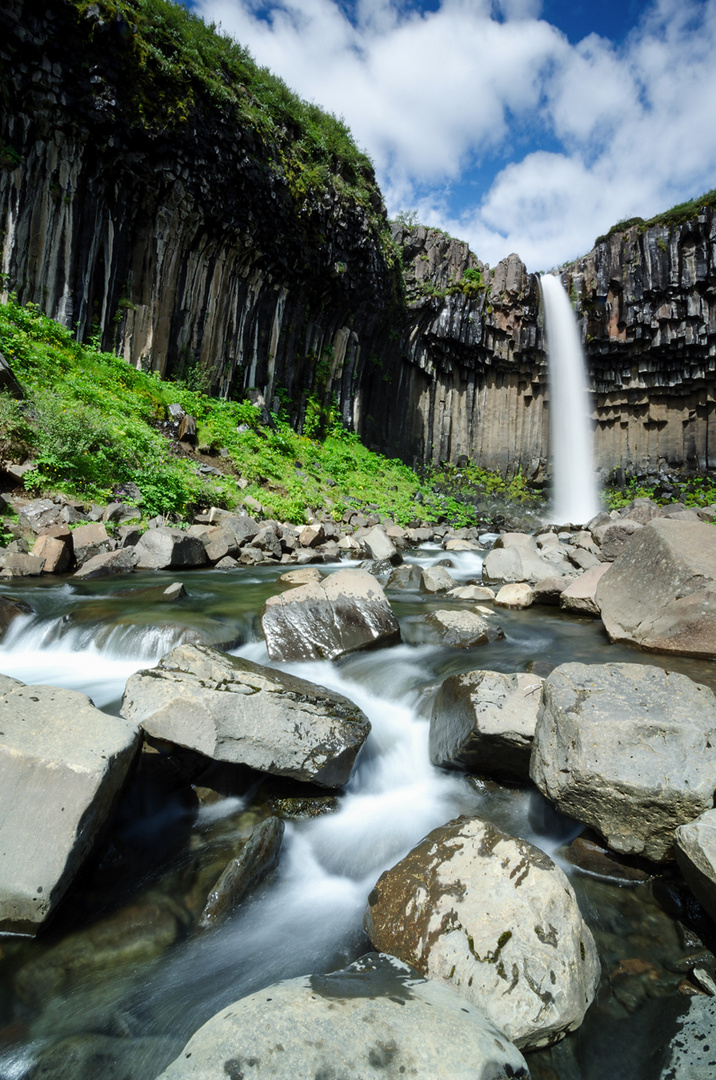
x=575 y=493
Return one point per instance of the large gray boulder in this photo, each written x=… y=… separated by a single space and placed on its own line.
x=660 y=592
x=375 y=1020
x=628 y=749
x=493 y=917
x=233 y=710
x=516 y=557
x=63 y=763
x=326 y=619
x=463 y=629
x=164 y=548
x=484 y=721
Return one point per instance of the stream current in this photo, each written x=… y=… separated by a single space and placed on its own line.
x=307 y=917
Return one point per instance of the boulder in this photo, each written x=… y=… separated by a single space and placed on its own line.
x=548 y=590
x=54 y=551
x=10 y=608
x=615 y=536
x=660 y=593
x=472 y=593
x=306 y=575
x=517 y=595
x=463 y=629
x=580 y=596
x=408 y=576
x=696 y=856
x=342 y=613
x=374 y=1020
x=516 y=557
x=628 y=749
x=233 y=710
x=162 y=548
x=63 y=763
x=493 y=917
x=381 y=547
x=121 y=561
x=436 y=579
x=257 y=858
x=484 y=721
x=38 y=515
x=14 y=565
x=90 y=540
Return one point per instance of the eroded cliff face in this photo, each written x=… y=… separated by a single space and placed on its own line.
x=176 y=240
x=180 y=241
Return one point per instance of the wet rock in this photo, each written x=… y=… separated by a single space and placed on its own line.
x=102 y=1057
x=463 y=629
x=344 y=612
x=233 y=710
x=661 y=592
x=158 y=594
x=407 y=577
x=691 y=1051
x=580 y=596
x=10 y=608
x=549 y=589
x=18 y=565
x=360 y=1022
x=627 y=749
x=258 y=857
x=135 y=934
x=227 y=563
x=484 y=721
x=63 y=763
x=436 y=579
x=493 y=917
x=162 y=548
x=594 y=858
x=121 y=561
x=696 y=856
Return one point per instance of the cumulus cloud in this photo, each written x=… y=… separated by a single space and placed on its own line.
x=586 y=133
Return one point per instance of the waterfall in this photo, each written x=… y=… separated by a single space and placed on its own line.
x=575 y=493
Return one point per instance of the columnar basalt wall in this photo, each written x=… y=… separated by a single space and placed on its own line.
x=179 y=244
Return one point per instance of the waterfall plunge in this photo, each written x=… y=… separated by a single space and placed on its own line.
x=575 y=494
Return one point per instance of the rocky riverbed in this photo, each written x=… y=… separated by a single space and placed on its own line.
x=432 y=753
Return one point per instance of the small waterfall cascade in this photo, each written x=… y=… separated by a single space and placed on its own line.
x=575 y=493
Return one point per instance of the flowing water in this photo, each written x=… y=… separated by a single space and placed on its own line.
x=308 y=916
x=575 y=492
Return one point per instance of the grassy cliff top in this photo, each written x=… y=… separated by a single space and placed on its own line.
x=170 y=65
x=677 y=215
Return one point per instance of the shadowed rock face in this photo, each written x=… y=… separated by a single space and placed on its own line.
x=233 y=710
x=494 y=918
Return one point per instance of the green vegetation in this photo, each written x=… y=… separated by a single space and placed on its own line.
x=691 y=491
x=174 y=62
x=677 y=215
x=92 y=423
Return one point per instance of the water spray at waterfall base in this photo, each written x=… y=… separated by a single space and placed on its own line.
x=575 y=493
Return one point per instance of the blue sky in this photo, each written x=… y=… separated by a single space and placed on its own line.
x=517 y=125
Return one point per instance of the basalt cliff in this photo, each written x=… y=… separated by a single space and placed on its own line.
x=177 y=226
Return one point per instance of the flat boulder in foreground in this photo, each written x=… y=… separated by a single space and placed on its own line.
x=63 y=763
x=323 y=620
x=375 y=1020
x=660 y=592
x=628 y=749
x=492 y=917
x=233 y=710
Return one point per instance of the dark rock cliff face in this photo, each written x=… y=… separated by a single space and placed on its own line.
x=180 y=243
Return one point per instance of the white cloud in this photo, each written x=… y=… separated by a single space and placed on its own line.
x=429 y=94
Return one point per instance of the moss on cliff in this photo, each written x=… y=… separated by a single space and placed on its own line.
x=677 y=215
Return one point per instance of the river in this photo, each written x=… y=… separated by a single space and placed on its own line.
x=307 y=917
